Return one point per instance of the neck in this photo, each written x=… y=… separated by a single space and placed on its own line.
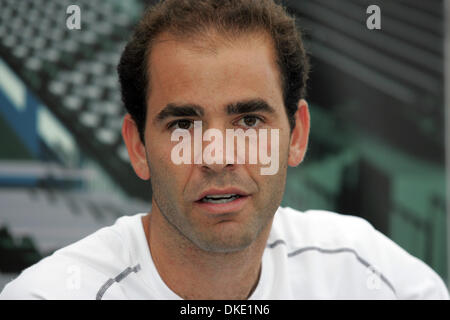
x=193 y=273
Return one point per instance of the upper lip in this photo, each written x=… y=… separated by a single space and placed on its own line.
x=221 y=191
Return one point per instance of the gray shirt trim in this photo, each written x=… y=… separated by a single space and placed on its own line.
x=331 y=251
x=274 y=244
x=118 y=278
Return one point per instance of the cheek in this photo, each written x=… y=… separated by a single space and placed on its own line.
x=164 y=172
x=278 y=146
x=159 y=149
x=285 y=139
x=161 y=164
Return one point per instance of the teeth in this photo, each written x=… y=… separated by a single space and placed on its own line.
x=220 y=196
x=220 y=199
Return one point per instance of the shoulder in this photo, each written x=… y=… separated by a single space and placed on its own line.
x=77 y=271
x=329 y=233
x=319 y=227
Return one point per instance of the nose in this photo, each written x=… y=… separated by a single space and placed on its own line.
x=214 y=156
x=217 y=168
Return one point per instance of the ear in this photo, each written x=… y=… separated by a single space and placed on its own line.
x=135 y=147
x=299 y=136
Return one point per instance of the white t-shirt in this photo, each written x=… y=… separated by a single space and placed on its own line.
x=310 y=255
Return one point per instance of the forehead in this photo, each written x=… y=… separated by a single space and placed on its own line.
x=212 y=72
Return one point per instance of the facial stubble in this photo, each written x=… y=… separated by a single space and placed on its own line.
x=225 y=235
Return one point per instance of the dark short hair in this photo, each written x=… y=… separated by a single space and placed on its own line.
x=190 y=18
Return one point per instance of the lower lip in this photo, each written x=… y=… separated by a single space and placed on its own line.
x=219 y=208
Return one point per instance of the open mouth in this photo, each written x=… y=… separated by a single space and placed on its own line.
x=220 y=198
x=217 y=201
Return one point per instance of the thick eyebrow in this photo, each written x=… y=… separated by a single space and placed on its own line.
x=194 y=110
x=183 y=110
x=247 y=106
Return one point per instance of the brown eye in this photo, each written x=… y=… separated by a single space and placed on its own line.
x=184 y=124
x=249 y=121
x=181 y=124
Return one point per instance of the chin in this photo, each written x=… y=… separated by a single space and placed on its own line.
x=223 y=247
x=226 y=241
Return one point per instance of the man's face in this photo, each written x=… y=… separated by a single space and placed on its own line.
x=208 y=79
